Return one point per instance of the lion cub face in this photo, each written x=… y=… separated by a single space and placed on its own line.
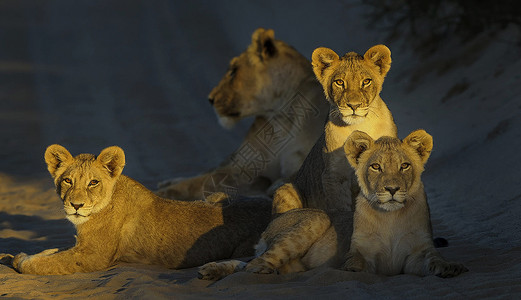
x=352 y=82
x=85 y=182
x=254 y=79
x=388 y=170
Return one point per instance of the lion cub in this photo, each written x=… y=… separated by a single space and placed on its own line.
x=391 y=229
x=352 y=84
x=119 y=220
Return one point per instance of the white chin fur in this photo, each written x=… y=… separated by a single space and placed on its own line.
x=350 y=120
x=391 y=205
x=77 y=219
x=227 y=122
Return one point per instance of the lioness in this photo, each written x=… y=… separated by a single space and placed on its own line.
x=391 y=228
x=275 y=83
x=352 y=85
x=119 y=220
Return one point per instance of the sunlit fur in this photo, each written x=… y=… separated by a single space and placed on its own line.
x=295 y=241
x=390 y=240
x=392 y=230
x=352 y=81
x=263 y=82
x=119 y=220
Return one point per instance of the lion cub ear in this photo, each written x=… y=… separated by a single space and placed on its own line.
x=421 y=142
x=264 y=42
x=56 y=156
x=321 y=59
x=356 y=144
x=112 y=159
x=380 y=55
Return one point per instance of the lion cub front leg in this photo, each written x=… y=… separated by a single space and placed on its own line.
x=430 y=262
x=52 y=262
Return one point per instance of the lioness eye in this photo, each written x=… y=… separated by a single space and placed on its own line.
x=67 y=180
x=366 y=82
x=93 y=182
x=375 y=167
x=339 y=82
x=405 y=166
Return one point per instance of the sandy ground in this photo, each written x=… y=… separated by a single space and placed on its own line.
x=89 y=74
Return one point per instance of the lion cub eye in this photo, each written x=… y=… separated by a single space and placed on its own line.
x=67 y=180
x=93 y=182
x=339 y=82
x=366 y=82
x=405 y=166
x=376 y=167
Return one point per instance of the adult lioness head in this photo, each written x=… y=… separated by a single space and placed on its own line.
x=258 y=78
x=388 y=170
x=351 y=82
x=85 y=182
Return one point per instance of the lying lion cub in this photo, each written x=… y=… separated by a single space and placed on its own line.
x=391 y=227
x=118 y=219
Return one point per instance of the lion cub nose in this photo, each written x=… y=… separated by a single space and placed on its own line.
x=392 y=190
x=354 y=106
x=211 y=100
x=77 y=206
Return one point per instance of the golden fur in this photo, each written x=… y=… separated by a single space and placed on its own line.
x=391 y=230
x=352 y=85
x=295 y=241
x=275 y=83
x=118 y=219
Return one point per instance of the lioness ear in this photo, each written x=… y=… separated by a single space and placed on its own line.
x=421 y=142
x=56 y=156
x=356 y=144
x=113 y=160
x=321 y=59
x=380 y=55
x=264 y=41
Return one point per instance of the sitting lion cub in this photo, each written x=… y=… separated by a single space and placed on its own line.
x=352 y=84
x=392 y=231
x=118 y=219
x=391 y=226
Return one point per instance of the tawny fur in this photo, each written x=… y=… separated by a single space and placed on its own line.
x=119 y=220
x=352 y=85
x=392 y=229
x=391 y=234
x=295 y=241
x=275 y=83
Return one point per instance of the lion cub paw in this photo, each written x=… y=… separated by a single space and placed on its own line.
x=446 y=269
x=260 y=269
x=354 y=263
x=18 y=259
x=211 y=271
x=218 y=270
